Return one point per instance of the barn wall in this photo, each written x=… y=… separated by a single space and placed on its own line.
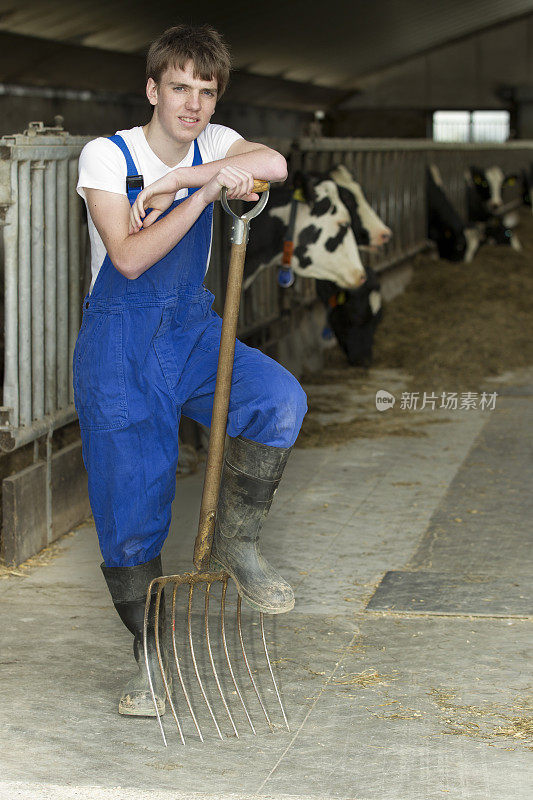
x=380 y=123
x=522 y=98
x=524 y=120
x=104 y=114
x=81 y=117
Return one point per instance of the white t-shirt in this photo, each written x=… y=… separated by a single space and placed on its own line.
x=102 y=166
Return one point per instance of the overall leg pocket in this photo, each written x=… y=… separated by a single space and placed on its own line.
x=99 y=380
x=202 y=323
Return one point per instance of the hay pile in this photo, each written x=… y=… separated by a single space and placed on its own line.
x=457 y=324
x=454 y=327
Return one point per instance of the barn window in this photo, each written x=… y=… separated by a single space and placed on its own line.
x=490 y=126
x=471 y=126
x=451 y=126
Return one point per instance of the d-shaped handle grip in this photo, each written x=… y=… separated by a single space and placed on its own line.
x=262 y=187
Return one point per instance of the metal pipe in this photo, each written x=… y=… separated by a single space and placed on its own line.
x=73 y=268
x=37 y=289
x=50 y=316
x=13 y=437
x=49 y=517
x=24 y=294
x=10 y=235
x=63 y=371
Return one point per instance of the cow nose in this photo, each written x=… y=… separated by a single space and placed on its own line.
x=386 y=236
x=361 y=280
x=494 y=204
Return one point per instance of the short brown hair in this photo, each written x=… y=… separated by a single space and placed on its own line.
x=201 y=44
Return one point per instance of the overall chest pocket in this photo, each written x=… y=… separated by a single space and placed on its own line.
x=98 y=372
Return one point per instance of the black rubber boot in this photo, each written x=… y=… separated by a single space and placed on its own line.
x=250 y=476
x=128 y=587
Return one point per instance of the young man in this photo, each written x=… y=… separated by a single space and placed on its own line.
x=148 y=344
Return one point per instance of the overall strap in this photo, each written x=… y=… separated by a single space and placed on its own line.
x=134 y=181
x=197 y=160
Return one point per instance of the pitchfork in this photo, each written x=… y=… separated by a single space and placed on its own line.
x=206 y=526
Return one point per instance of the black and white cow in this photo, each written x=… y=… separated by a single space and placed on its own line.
x=484 y=189
x=368 y=228
x=330 y=225
x=500 y=230
x=353 y=316
x=324 y=242
x=455 y=241
x=527 y=186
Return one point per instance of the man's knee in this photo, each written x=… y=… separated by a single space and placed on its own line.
x=290 y=406
x=278 y=411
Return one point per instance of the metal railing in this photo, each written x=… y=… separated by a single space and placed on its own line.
x=46 y=271
x=41 y=230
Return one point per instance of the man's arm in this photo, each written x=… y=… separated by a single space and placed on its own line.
x=132 y=254
x=133 y=250
x=264 y=163
x=244 y=158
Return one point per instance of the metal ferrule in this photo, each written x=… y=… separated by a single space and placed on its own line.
x=240 y=231
x=241 y=225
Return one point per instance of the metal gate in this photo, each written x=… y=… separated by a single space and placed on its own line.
x=42 y=233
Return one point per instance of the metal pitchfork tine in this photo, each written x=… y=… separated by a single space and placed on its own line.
x=206 y=526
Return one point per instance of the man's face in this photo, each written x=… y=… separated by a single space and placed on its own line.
x=183 y=104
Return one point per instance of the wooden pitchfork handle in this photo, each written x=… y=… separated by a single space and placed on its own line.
x=217 y=436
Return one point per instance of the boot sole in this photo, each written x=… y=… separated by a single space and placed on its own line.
x=132 y=711
x=146 y=707
x=217 y=565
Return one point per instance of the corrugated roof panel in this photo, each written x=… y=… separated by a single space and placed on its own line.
x=334 y=43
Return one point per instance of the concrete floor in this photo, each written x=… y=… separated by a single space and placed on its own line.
x=383 y=705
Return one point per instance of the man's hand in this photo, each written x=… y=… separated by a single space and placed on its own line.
x=160 y=195
x=238 y=182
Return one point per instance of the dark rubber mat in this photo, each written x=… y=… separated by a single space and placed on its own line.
x=445 y=593
x=477 y=550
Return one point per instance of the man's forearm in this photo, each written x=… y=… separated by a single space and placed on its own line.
x=264 y=164
x=139 y=251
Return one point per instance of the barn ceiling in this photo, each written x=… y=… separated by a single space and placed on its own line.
x=337 y=45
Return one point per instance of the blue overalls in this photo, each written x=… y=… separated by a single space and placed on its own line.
x=146 y=351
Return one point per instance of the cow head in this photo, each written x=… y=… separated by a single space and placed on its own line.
x=489 y=184
x=368 y=227
x=445 y=226
x=324 y=242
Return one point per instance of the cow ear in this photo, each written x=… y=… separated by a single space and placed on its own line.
x=297 y=179
x=308 y=187
x=300 y=183
x=477 y=175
